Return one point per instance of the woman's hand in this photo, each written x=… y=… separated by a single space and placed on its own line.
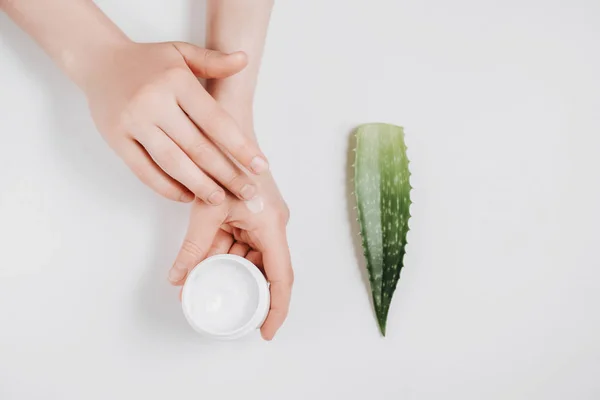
x=254 y=229
x=148 y=104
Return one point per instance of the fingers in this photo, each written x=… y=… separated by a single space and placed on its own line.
x=278 y=269
x=206 y=155
x=211 y=64
x=142 y=165
x=255 y=257
x=178 y=165
x=239 y=249
x=221 y=244
x=202 y=231
x=220 y=127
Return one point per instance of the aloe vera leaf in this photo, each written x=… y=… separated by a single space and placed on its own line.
x=382 y=189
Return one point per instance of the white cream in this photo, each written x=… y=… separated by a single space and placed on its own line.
x=255 y=205
x=225 y=297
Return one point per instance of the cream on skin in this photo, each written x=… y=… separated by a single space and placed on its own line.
x=255 y=205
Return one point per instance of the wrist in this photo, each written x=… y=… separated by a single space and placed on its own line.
x=232 y=90
x=238 y=102
x=84 y=66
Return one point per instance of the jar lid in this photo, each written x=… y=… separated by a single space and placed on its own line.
x=225 y=297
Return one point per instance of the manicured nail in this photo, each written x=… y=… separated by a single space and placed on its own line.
x=216 y=197
x=247 y=192
x=187 y=197
x=177 y=272
x=259 y=165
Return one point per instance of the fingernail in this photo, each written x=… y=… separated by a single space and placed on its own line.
x=177 y=272
x=259 y=165
x=247 y=192
x=216 y=197
x=187 y=197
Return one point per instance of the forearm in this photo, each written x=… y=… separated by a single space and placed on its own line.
x=74 y=33
x=234 y=25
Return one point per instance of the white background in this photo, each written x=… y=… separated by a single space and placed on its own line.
x=500 y=295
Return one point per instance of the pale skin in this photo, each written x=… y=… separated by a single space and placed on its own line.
x=186 y=142
x=147 y=102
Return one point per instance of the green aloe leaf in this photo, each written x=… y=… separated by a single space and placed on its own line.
x=382 y=189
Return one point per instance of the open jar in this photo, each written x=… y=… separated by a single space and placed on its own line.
x=225 y=297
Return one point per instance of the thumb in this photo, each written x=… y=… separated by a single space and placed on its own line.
x=205 y=221
x=211 y=64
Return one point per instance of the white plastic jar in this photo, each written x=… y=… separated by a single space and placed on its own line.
x=225 y=297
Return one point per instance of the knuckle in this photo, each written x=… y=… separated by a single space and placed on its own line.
x=240 y=152
x=289 y=280
x=114 y=140
x=177 y=74
x=127 y=119
x=235 y=181
x=280 y=215
x=243 y=145
x=145 y=100
x=202 y=149
x=280 y=313
x=169 y=159
x=208 y=57
x=148 y=95
x=192 y=249
x=285 y=280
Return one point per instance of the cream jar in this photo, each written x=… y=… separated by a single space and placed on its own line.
x=225 y=297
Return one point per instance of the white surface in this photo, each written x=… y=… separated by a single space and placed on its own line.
x=500 y=295
x=225 y=297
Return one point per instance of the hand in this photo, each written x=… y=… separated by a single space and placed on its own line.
x=242 y=228
x=151 y=109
